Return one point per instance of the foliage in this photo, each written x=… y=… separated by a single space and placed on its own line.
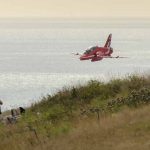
x=55 y=114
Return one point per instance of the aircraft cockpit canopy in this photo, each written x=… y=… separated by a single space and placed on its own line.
x=90 y=49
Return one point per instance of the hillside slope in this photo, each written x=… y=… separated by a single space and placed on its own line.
x=113 y=115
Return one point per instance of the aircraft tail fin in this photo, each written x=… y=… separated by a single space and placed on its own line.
x=108 y=42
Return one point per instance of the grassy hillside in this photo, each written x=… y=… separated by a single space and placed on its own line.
x=113 y=115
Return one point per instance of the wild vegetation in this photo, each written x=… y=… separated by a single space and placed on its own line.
x=112 y=115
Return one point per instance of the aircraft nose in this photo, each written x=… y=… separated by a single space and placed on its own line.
x=81 y=58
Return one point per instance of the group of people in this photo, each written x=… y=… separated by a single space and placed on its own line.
x=15 y=114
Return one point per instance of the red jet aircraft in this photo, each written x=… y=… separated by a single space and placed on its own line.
x=97 y=53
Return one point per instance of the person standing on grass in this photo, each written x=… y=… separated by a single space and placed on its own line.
x=1 y=103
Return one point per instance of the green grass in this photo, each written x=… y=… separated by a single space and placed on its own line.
x=57 y=115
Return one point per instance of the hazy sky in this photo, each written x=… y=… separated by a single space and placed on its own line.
x=74 y=8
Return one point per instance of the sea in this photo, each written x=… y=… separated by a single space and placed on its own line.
x=36 y=54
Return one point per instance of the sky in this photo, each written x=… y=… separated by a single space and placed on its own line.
x=75 y=8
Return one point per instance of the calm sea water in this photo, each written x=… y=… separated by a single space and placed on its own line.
x=36 y=59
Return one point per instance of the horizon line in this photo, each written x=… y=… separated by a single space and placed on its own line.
x=101 y=17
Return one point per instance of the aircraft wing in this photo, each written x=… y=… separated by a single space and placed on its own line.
x=114 y=57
